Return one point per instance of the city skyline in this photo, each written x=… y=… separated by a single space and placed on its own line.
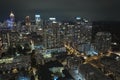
x=106 y=10
x=59 y=40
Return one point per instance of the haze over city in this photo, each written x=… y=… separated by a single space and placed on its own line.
x=107 y=10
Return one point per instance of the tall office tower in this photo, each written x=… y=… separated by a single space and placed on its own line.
x=28 y=23
x=82 y=35
x=18 y=26
x=1 y=47
x=52 y=35
x=39 y=22
x=5 y=38
x=14 y=37
x=9 y=38
x=69 y=37
x=0 y=24
x=11 y=21
x=78 y=34
x=12 y=16
x=0 y=43
x=103 y=41
x=37 y=19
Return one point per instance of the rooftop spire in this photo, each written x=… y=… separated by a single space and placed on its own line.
x=11 y=14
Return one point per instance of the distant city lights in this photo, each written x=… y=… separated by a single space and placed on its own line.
x=37 y=15
x=52 y=18
x=86 y=20
x=37 y=18
x=78 y=18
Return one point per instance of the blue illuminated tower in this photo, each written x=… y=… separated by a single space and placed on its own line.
x=10 y=22
x=12 y=16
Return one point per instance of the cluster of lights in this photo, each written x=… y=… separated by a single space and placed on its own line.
x=78 y=18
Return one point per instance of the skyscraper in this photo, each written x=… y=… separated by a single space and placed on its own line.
x=78 y=35
x=28 y=23
x=52 y=35
x=12 y=16
x=0 y=43
x=103 y=41
x=11 y=21
x=37 y=18
x=38 y=21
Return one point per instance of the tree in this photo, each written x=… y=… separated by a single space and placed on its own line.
x=19 y=48
x=27 y=48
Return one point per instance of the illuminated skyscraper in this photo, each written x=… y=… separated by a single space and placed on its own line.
x=37 y=19
x=0 y=43
x=103 y=41
x=11 y=21
x=12 y=16
x=28 y=23
x=78 y=35
x=52 y=34
x=52 y=20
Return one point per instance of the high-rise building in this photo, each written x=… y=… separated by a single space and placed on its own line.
x=12 y=16
x=28 y=23
x=0 y=43
x=5 y=39
x=38 y=21
x=52 y=36
x=103 y=41
x=11 y=21
x=1 y=46
x=78 y=35
x=37 y=18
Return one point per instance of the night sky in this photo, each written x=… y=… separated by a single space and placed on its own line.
x=93 y=10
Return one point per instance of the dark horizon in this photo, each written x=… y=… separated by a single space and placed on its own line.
x=103 y=10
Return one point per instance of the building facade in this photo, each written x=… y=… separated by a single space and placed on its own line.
x=103 y=41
